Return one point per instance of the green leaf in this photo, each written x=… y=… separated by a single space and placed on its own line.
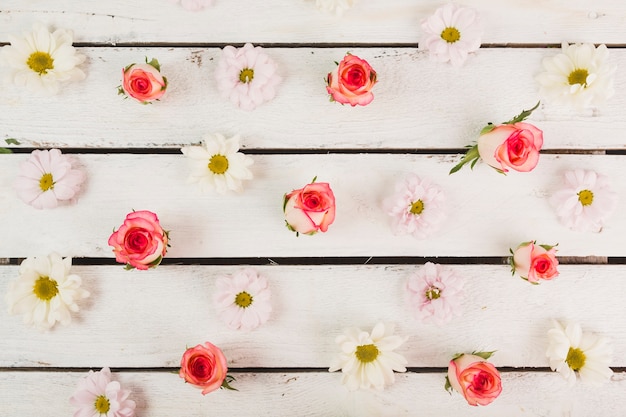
x=12 y=141
x=154 y=63
x=484 y=355
x=522 y=116
x=448 y=386
x=226 y=383
x=471 y=155
x=5 y=150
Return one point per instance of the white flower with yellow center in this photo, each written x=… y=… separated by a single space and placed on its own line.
x=40 y=60
x=367 y=360
x=243 y=300
x=451 y=34
x=585 y=201
x=218 y=164
x=572 y=352
x=579 y=77
x=334 y=6
x=45 y=291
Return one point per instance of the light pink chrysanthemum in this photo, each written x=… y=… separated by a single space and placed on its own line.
x=247 y=76
x=585 y=201
x=451 y=34
x=243 y=300
x=435 y=293
x=193 y=5
x=97 y=396
x=46 y=178
x=416 y=207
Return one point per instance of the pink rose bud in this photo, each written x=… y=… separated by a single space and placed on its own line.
x=515 y=146
x=535 y=262
x=204 y=366
x=351 y=82
x=140 y=242
x=310 y=209
x=474 y=378
x=143 y=82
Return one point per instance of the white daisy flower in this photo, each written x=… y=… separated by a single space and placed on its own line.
x=585 y=201
x=243 y=300
x=572 y=352
x=45 y=291
x=97 y=396
x=46 y=178
x=580 y=77
x=451 y=34
x=217 y=164
x=416 y=207
x=334 y=6
x=247 y=76
x=367 y=360
x=40 y=60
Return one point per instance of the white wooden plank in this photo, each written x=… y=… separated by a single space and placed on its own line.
x=487 y=212
x=418 y=104
x=147 y=319
x=298 y=21
x=316 y=394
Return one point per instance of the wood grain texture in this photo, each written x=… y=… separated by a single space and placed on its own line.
x=298 y=21
x=146 y=319
x=316 y=394
x=419 y=104
x=488 y=213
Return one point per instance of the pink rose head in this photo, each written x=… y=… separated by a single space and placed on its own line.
x=140 y=242
x=535 y=262
x=351 y=82
x=515 y=146
x=204 y=366
x=474 y=378
x=310 y=209
x=143 y=82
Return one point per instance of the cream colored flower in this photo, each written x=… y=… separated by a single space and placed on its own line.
x=367 y=360
x=572 y=352
x=243 y=299
x=217 y=164
x=579 y=77
x=41 y=60
x=45 y=291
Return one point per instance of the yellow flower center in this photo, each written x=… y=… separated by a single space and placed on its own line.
x=45 y=288
x=433 y=293
x=450 y=34
x=102 y=404
x=243 y=299
x=578 y=76
x=246 y=75
x=585 y=197
x=218 y=164
x=417 y=207
x=46 y=182
x=40 y=62
x=575 y=359
x=366 y=353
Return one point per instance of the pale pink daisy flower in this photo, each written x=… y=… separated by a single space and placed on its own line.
x=247 y=76
x=193 y=5
x=243 y=300
x=585 y=201
x=451 y=34
x=576 y=354
x=435 y=293
x=97 y=396
x=416 y=207
x=46 y=178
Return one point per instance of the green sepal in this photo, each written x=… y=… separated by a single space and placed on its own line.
x=12 y=141
x=484 y=355
x=156 y=262
x=226 y=383
x=522 y=116
x=548 y=247
x=154 y=63
x=127 y=67
x=490 y=126
x=471 y=155
x=121 y=92
x=285 y=199
x=128 y=267
x=314 y=179
x=526 y=279
x=448 y=386
x=457 y=356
